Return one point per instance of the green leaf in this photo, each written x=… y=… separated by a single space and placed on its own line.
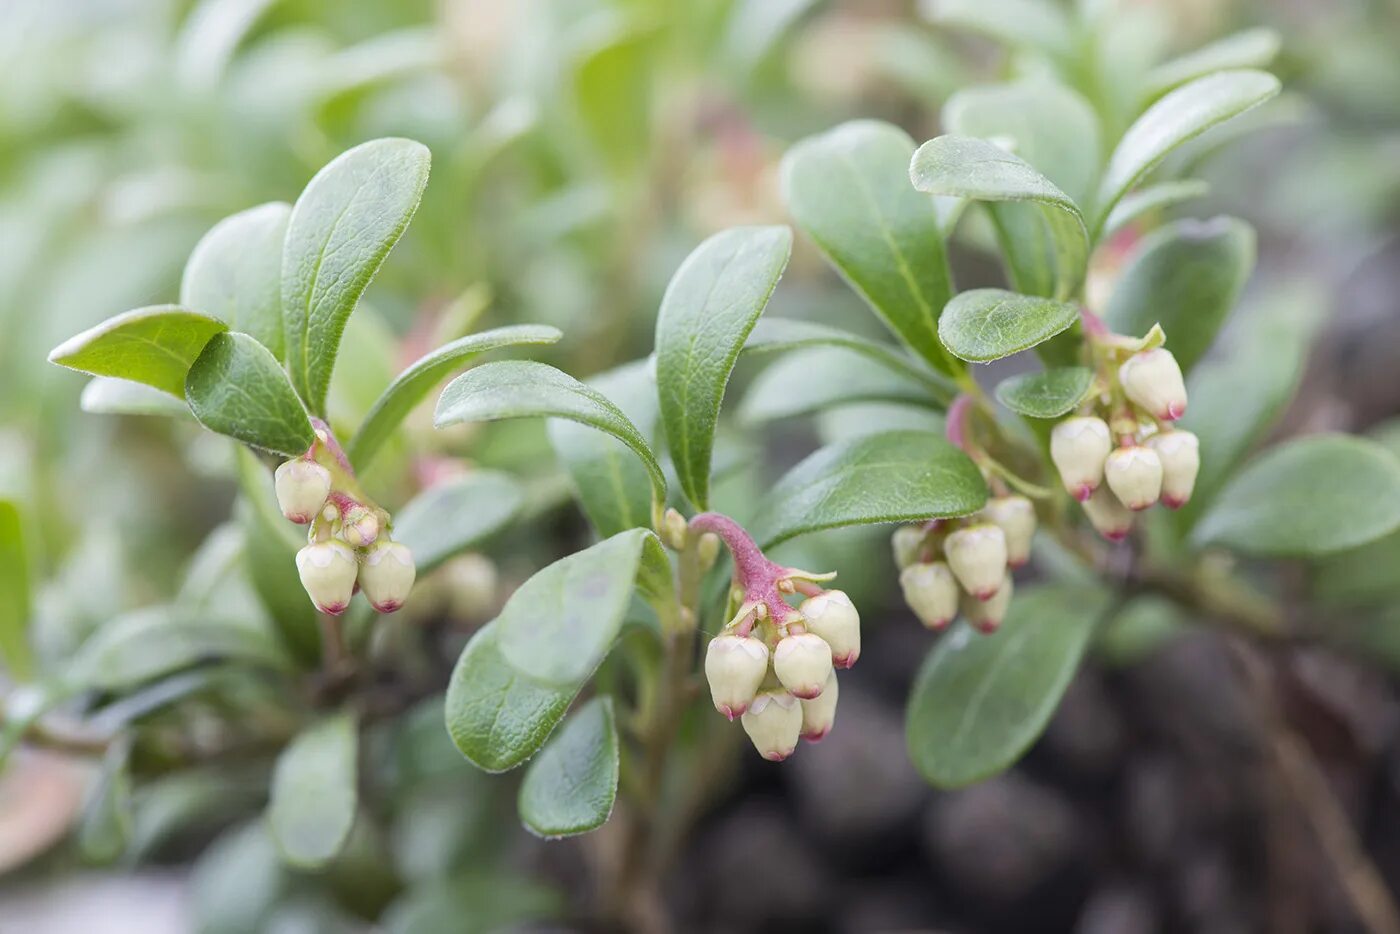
x=447 y=519
x=1187 y=277
x=570 y=788
x=154 y=345
x=848 y=190
x=105 y=825
x=14 y=585
x=341 y=229
x=1252 y=48
x=1047 y=394
x=709 y=308
x=987 y=324
x=525 y=389
x=155 y=641
x=314 y=792
x=612 y=88
x=108 y=395
x=1152 y=198
x=777 y=335
x=235 y=273
x=964 y=167
x=497 y=716
x=1180 y=116
x=1237 y=396
x=238 y=389
x=1033 y=24
x=413 y=384
x=560 y=624
x=1307 y=497
x=896 y=476
x=612 y=485
x=1049 y=126
x=786 y=389
x=980 y=700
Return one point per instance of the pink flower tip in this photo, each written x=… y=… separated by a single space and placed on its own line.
x=809 y=695
x=816 y=737
x=988 y=627
x=777 y=755
x=1141 y=508
x=1173 y=411
x=334 y=609
x=298 y=517
x=985 y=595
x=1117 y=535
x=1172 y=502
x=845 y=661
x=1084 y=493
x=389 y=606
x=732 y=712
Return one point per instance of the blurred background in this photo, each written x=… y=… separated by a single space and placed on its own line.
x=580 y=149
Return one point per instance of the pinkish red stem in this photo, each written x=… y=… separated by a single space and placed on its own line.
x=956 y=424
x=757 y=576
x=327 y=437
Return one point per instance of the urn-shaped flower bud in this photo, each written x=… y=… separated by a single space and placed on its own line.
x=386 y=575
x=302 y=487
x=977 y=557
x=1152 y=379
x=819 y=713
x=1109 y=517
x=906 y=542
x=328 y=572
x=986 y=615
x=1180 y=454
x=1079 y=446
x=1015 y=516
x=833 y=617
x=735 y=666
x=931 y=592
x=773 y=722
x=359 y=526
x=1134 y=474
x=802 y=663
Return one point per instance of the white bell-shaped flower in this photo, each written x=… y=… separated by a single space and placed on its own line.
x=819 y=713
x=328 y=571
x=1079 y=446
x=1134 y=474
x=1015 y=516
x=386 y=575
x=1109 y=517
x=831 y=615
x=986 y=615
x=977 y=557
x=1180 y=454
x=802 y=662
x=302 y=487
x=773 y=722
x=931 y=592
x=734 y=667
x=1152 y=379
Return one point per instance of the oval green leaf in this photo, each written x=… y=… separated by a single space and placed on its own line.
x=1179 y=117
x=787 y=389
x=104 y=829
x=238 y=389
x=314 y=792
x=1152 y=198
x=1185 y=276
x=709 y=308
x=446 y=520
x=1031 y=24
x=987 y=324
x=980 y=701
x=15 y=649
x=847 y=189
x=235 y=273
x=155 y=346
x=108 y=395
x=1311 y=496
x=410 y=386
x=525 y=389
x=571 y=786
x=341 y=230
x=895 y=476
x=1251 y=48
x=1047 y=394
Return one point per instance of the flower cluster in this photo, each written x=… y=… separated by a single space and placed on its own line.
x=965 y=564
x=349 y=543
x=774 y=665
x=1122 y=454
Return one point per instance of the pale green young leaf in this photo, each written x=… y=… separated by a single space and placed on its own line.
x=108 y=395
x=896 y=476
x=612 y=88
x=235 y=273
x=104 y=828
x=779 y=335
x=525 y=389
x=787 y=389
x=449 y=518
x=1185 y=276
x=237 y=388
x=15 y=651
x=1144 y=201
x=612 y=485
x=1031 y=24
x=1307 y=497
x=1179 y=117
x=1251 y=48
x=980 y=700
x=848 y=190
x=1052 y=247
x=341 y=229
x=570 y=787
x=154 y=345
x=497 y=716
x=315 y=792
x=987 y=324
x=1046 y=394
x=413 y=384
x=709 y=308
